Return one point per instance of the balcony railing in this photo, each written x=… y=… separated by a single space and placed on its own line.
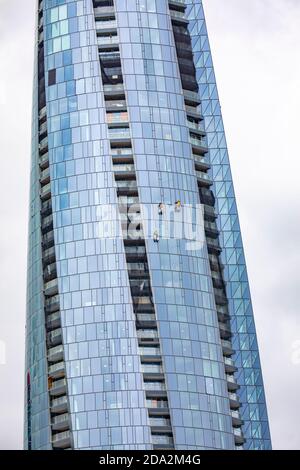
x=178 y=15
x=58 y=387
x=101 y=12
x=119 y=134
x=115 y=118
x=51 y=288
x=53 y=321
x=57 y=370
x=61 y=440
x=106 y=25
x=152 y=368
x=60 y=422
x=46 y=191
x=56 y=354
x=114 y=89
x=162 y=439
x=199 y=143
x=55 y=337
x=107 y=40
x=144 y=351
x=43 y=112
x=147 y=334
x=59 y=405
x=43 y=144
x=155 y=386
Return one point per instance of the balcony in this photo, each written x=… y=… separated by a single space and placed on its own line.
x=230 y=368
x=138 y=270
x=191 y=97
x=58 y=387
x=47 y=224
x=178 y=17
x=61 y=440
x=119 y=134
x=193 y=112
x=136 y=253
x=155 y=386
x=147 y=334
x=160 y=425
x=227 y=348
x=51 y=288
x=177 y=2
x=56 y=354
x=220 y=298
x=231 y=383
x=104 y=12
x=209 y=212
x=43 y=113
x=41 y=24
x=149 y=352
x=60 y=422
x=211 y=229
x=146 y=320
x=196 y=127
x=124 y=171
x=213 y=246
x=125 y=187
x=55 y=337
x=234 y=401
x=46 y=208
x=199 y=145
x=43 y=145
x=57 y=370
x=207 y=196
x=143 y=304
x=115 y=105
x=50 y=272
x=203 y=179
x=200 y=163
x=41 y=37
x=238 y=437
x=52 y=304
x=152 y=368
x=49 y=255
x=48 y=240
x=106 y=26
x=44 y=161
x=141 y=285
x=217 y=280
x=111 y=60
x=45 y=176
x=117 y=118
x=53 y=321
x=43 y=128
x=114 y=90
x=59 y=405
x=121 y=152
x=236 y=419
x=225 y=331
x=107 y=41
x=45 y=192
x=162 y=441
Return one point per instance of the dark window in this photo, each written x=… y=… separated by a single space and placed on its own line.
x=52 y=77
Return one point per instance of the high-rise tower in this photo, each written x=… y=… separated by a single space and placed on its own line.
x=138 y=336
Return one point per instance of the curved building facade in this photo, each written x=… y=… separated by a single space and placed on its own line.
x=136 y=335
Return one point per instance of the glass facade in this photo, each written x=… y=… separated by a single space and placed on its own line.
x=249 y=376
x=136 y=339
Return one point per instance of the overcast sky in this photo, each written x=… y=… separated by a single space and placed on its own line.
x=255 y=46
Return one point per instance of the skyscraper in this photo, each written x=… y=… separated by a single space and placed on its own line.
x=139 y=336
